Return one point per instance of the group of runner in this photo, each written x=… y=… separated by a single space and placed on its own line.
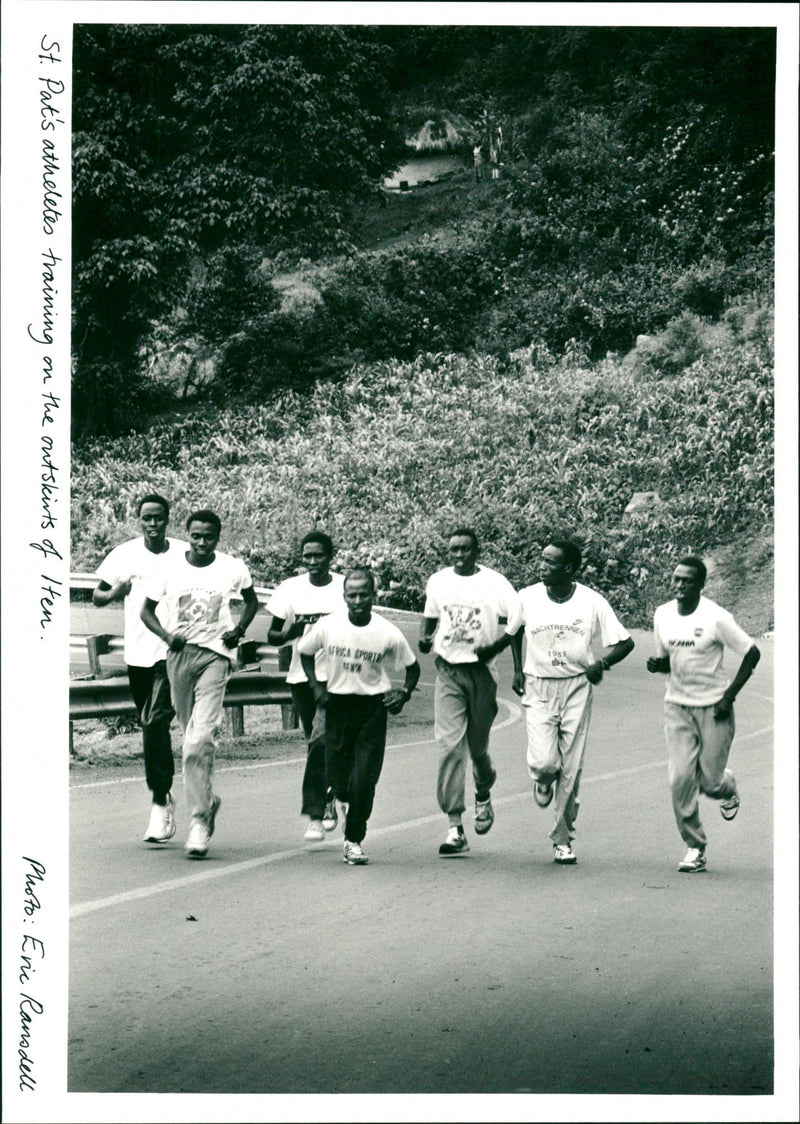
x=181 y=641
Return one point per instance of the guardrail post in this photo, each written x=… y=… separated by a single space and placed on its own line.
x=96 y=646
x=289 y=719
x=234 y=715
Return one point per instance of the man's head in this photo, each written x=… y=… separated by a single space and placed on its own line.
x=560 y=561
x=153 y=513
x=203 y=530
x=462 y=550
x=688 y=579
x=316 y=553
x=359 y=593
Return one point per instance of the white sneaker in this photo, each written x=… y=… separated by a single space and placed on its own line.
x=330 y=817
x=455 y=843
x=315 y=832
x=161 y=827
x=197 y=844
x=563 y=853
x=694 y=861
x=353 y=854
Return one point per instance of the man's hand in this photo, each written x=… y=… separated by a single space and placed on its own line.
x=723 y=708
x=177 y=643
x=486 y=652
x=232 y=637
x=518 y=683
x=658 y=663
x=320 y=693
x=395 y=700
x=594 y=672
x=425 y=644
x=120 y=589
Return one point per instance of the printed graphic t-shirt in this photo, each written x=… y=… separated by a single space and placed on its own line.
x=358 y=657
x=561 y=639
x=473 y=611
x=297 y=599
x=132 y=560
x=198 y=599
x=696 y=645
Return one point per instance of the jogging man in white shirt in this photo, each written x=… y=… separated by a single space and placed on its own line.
x=691 y=634
x=564 y=621
x=123 y=576
x=197 y=588
x=296 y=605
x=358 y=647
x=470 y=613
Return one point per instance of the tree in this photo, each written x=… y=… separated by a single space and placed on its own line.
x=188 y=139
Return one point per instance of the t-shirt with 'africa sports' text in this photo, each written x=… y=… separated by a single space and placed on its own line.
x=358 y=657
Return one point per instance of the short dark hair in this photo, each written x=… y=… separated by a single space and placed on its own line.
x=696 y=564
x=360 y=572
x=204 y=515
x=325 y=541
x=464 y=532
x=571 y=551
x=152 y=497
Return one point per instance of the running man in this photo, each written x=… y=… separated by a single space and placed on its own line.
x=563 y=621
x=196 y=588
x=296 y=605
x=691 y=633
x=123 y=576
x=359 y=646
x=470 y=613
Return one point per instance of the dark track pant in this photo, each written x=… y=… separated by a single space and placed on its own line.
x=151 y=695
x=312 y=719
x=354 y=748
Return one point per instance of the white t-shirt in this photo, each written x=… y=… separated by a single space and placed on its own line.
x=561 y=639
x=472 y=611
x=198 y=598
x=696 y=645
x=132 y=560
x=357 y=656
x=298 y=599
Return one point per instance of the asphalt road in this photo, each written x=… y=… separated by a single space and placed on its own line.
x=272 y=967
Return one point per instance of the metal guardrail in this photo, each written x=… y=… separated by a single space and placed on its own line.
x=106 y=698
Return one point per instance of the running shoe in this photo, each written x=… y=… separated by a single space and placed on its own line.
x=729 y=808
x=694 y=861
x=563 y=853
x=543 y=793
x=315 y=832
x=196 y=846
x=330 y=816
x=353 y=854
x=212 y=815
x=161 y=827
x=484 y=816
x=455 y=843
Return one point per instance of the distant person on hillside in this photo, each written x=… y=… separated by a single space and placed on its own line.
x=123 y=576
x=296 y=605
x=358 y=647
x=564 y=623
x=196 y=588
x=477 y=160
x=494 y=160
x=469 y=615
x=691 y=634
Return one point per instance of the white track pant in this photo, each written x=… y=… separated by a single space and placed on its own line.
x=557 y=713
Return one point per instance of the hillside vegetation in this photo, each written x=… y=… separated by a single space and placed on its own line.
x=393 y=456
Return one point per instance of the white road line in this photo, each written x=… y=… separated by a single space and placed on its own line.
x=208 y=874
x=515 y=713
